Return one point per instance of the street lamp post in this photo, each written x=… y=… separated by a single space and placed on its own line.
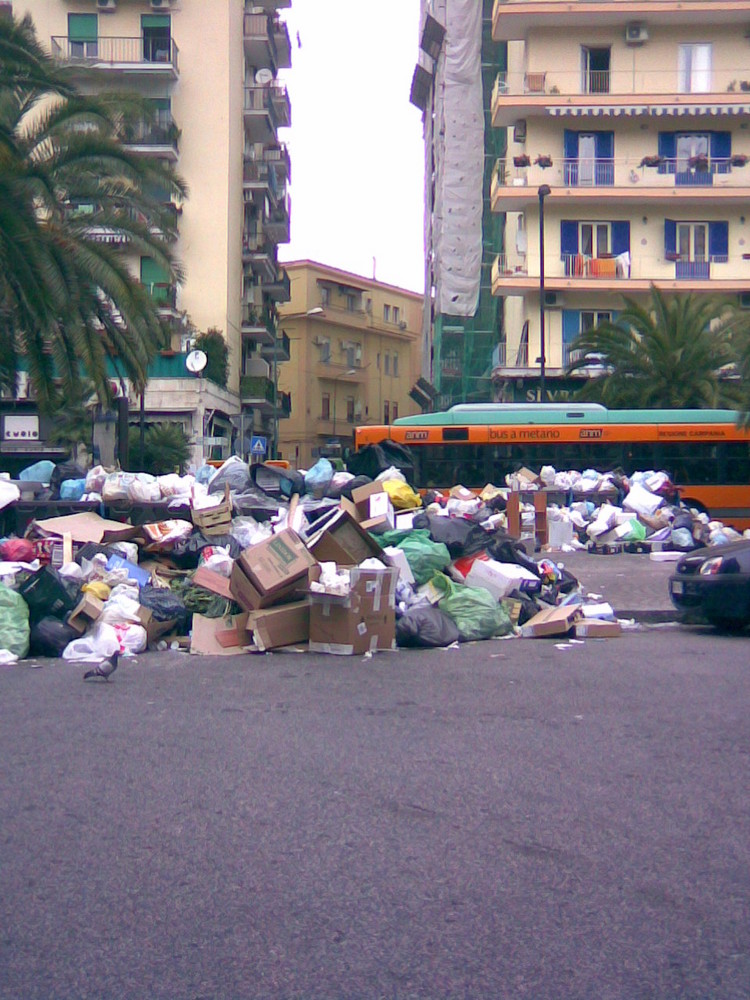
x=544 y=190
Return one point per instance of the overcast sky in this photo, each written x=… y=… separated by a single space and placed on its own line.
x=356 y=141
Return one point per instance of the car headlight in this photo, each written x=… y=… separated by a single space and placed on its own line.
x=711 y=566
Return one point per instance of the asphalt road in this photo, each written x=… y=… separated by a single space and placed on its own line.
x=507 y=820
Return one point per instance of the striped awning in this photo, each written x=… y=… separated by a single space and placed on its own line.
x=655 y=110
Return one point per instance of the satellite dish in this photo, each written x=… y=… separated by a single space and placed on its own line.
x=195 y=362
x=263 y=76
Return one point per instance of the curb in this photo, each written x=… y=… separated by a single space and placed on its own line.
x=649 y=617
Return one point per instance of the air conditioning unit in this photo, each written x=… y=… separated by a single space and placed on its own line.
x=636 y=33
x=744 y=300
x=160 y=4
x=402 y=325
x=553 y=300
x=106 y=6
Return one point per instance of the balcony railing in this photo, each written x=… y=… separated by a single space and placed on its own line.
x=279 y=348
x=259 y=318
x=256 y=389
x=162 y=293
x=622 y=267
x=572 y=83
x=113 y=52
x=278 y=158
x=624 y=172
x=281 y=105
x=147 y=133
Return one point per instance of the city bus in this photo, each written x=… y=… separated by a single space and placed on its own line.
x=705 y=452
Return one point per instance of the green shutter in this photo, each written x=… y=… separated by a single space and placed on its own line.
x=155 y=20
x=82 y=27
x=152 y=275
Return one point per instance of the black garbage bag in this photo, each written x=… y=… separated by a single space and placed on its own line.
x=529 y=607
x=507 y=550
x=496 y=504
x=353 y=484
x=426 y=627
x=61 y=472
x=165 y=606
x=277 y=482
x=451 y=531
x=48 y=594
x=50 y=636
x=235 y=474
x=376 y=458
x=186 y=553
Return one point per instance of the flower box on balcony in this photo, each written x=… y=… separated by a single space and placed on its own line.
x=738 y=160
x=652 y=161
x=522 y=161
x=543 y=161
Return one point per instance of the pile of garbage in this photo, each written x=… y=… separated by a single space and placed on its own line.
x=608 y=513
x=259 y=558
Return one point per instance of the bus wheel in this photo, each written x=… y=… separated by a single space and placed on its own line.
x=696 y=504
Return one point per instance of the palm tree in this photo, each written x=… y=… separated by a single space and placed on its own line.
x=68 y=300
x=678 y=351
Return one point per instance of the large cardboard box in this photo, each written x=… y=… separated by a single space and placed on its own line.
x=551 y=621
x=341 y=540
x=596 y=628
x=85 y=613
x=361 y=622
x=284 y=625
x=267 y=573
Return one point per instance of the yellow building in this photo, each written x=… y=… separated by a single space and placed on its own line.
x=354 y=354
x=627 y=127
x=213 y=81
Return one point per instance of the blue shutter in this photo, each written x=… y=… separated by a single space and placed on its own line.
x=667 y=149
x=721 y=150
x=605 y=151
x=670 y=236
x=620 y=237
x=571 y=324
x=568 y=237
x=570 y=152
x=718 y=240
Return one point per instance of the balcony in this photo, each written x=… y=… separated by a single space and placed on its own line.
x=117 y=55
x=615 y=93
x=278 y=159
x=258 y=325
x=163 y=294
x=260 y=49
x=279 y=288
x=259 y=115
x=276 y=225
x=259 y=254
x=623 y=274
x=282 y=107
x=628 y=179
x=282 y=44
x=257 y=391
x=513 y=19
x=159 y=139
x=278 y=348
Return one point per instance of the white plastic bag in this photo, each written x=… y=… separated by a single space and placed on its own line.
x=120 y=609
x=95 y=479
x=173 y=485
x=547 y=475
x=392 y=473
x=144 y=489
x=105 y=639
x=8 y=493
x=642 y=501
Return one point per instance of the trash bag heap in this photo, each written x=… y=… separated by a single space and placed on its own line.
x=250 y=559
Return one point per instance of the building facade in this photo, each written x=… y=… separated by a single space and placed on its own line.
x=627 y=128
x=219 y=104
x=352 y=356
x=453 y=81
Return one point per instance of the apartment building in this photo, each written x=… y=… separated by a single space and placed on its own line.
x=212 y=73
x=627 y=165
x=352 y=348
x=458 y=63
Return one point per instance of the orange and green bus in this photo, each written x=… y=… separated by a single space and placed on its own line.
x=705 y=452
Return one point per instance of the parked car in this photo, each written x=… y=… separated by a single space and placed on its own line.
x=715 y=582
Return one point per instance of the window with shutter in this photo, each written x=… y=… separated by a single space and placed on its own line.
x=83 y=30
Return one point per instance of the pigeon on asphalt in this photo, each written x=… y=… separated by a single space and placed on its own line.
x=103 y=670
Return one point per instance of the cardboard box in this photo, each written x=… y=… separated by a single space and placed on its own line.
x=405 y=519
x=212 y=581
x=82 y=528
x=502 y=578
x=363 y=621
x=551 y=621
x=397 y=557
x=274 y=564
x=214 y=520
x=341 y=540
x=219 y=636
x=363 y=493
x=380 y=515
x=85 y=613
x=596 y=628
x=285 y=625
x=247 y=595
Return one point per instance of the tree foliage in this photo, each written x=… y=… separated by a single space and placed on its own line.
x=214 y=346
x=68 y=300
x=166 y=449
x=677 y=351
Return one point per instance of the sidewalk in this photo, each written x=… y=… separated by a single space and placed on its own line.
x=635 y=586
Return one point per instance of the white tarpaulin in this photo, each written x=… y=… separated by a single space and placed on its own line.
x=458 y=196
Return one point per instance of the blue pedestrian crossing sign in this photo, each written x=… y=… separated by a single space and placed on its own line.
x=258 y=445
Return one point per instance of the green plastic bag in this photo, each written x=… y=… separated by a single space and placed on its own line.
x=474 y=610
x=14 y=622
x=637 y=531
x=424 y=556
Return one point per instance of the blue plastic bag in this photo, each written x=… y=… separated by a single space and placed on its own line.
x=39 y=472
x=318 y=479
x=72 y=489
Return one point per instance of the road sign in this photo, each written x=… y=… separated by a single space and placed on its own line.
x=258 y=445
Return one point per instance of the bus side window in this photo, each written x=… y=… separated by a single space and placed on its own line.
x=736 y=462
